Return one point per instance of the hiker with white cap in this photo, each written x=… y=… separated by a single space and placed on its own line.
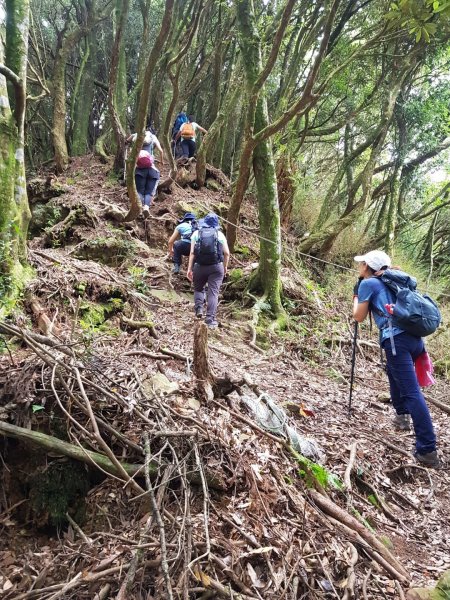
x=401 y=348
x=180 y=240
x=208 y=263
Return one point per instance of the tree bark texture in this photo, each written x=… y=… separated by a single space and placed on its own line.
x=116 y=96
x=135 y=203
x=14 y=209
x=83 y=98
x=202 y=371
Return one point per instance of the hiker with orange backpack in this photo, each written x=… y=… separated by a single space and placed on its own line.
x=187 y=133
x=403 y=316
x=146 y=175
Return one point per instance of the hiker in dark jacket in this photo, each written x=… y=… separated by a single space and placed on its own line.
x=146 y=175
x=208 y=262
x=188 y=133
x=371 y=294
x=180 y=241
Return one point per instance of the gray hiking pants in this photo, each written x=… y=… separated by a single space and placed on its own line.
x=213 y=276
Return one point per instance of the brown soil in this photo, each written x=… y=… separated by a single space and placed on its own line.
x=264 y=535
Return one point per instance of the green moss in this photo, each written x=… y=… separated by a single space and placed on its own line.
x=314 y=473
x=243 y=251
x=235 y=275
x=59 y=489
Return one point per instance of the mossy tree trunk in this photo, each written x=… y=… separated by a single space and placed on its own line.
x=14 y=210
x=268 y=274
x=116 y=95
x=83 y=97
x=267 y=278
x=135 y=203
x=66 y=44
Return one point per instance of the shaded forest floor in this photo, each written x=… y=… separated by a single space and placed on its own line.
x=238 y=515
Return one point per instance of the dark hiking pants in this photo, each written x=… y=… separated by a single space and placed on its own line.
x=406 y=395
x=213 y=276
x=146 y=183
x=188 y=148
x=181 y=248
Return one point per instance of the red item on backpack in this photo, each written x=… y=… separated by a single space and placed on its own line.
x=144 y=160
x=424 y=370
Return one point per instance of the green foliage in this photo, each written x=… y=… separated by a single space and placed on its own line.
x=422 y=18
x=138 y=275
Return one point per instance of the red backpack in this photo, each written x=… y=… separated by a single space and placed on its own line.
x=144 y=160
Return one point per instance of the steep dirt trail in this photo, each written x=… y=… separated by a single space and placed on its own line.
x=97 y=261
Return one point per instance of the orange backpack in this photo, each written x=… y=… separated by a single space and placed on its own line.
x=187 y=131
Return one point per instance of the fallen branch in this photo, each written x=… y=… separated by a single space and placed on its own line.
x=340 y=515
x=444 y=407
x=132 y=324
x=53 y=444
x=348 y=470
x=351 y=576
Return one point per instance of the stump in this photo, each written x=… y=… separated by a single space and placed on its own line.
x=204 y=377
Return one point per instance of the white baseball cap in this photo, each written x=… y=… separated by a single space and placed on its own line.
x=376 y=259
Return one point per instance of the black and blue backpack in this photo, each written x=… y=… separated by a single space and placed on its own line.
x=417 y=314
x=208 y=249
x=179 y=120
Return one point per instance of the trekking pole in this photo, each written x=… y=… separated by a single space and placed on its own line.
x=352 y=373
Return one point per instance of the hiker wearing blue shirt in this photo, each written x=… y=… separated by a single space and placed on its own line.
x=180 y=241
x=208 y=262
x=401 y=349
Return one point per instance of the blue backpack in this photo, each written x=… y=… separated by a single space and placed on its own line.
x=415 y=313
x=179 y=120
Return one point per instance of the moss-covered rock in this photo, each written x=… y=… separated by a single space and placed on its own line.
x=106 y=250
x=45 y=215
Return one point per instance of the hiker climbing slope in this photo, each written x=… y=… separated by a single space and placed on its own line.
x=187 y=133
x=175 y=142
x=180 y=240
x=402 y=350
x=146 y=175
x=208 y=262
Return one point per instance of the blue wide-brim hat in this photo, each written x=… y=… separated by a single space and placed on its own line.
x=189 y=216
x=211 y=220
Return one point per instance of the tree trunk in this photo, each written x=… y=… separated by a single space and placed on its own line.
x=135 y=203
x=116 y=96
x=83 y=97
x=268 y=275
x=14 y=210
x=59 y=94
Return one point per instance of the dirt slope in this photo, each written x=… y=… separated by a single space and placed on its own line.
x=236 y=515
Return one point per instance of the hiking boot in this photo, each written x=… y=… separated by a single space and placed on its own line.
x=176 y=269
x=430 y=459
x=146 y=212
x=402 y=422
x=212 y=325
x=199 y=312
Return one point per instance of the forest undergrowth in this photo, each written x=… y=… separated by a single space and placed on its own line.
x=136 y=466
